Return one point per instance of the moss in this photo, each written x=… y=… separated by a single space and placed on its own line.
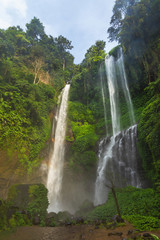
x=18 y=195
x=13 y=193
x=3 y=215
x=38 y=202
x=31 y=198
x=114 y=51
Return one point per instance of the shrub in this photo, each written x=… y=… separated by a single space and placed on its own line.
x=132 y=201
x=38 y=202
x=143 y=223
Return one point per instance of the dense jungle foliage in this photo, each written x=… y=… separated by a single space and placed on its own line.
x=138 y=206
x=135 y=25
x=86 y=116
x=24 y=204
x=33 y=69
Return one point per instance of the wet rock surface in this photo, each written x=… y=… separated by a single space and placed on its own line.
x=76 y=232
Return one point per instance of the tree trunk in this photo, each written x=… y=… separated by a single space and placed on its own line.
x=116 y=202
x=64 y=64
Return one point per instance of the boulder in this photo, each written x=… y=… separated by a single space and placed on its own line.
x=148 y=236
x=52 y=215
x=117 y=219
x=36 y=220
x=115 y=234
x=64 y=217
x=51 y=219
x=79 y=220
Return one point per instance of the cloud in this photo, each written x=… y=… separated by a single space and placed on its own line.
x=82 y=22
x=11 y=10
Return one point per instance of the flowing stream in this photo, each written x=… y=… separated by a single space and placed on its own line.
x=117 y=154
x=55 y=173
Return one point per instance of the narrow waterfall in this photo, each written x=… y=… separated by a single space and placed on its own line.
x=113 y=94
x=55 y=173
x=123 y=78
x=104 y=95
x=118 y=153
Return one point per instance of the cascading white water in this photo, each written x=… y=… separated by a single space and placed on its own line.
x=103 y=89
x=55 y=173
x=105 y=154
x=123 y=78
x=113 y=94
x=117 y=154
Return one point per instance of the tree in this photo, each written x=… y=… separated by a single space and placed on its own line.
x=112 y=183
x=120 y=10
x=35 y=30
x=95 y=53
x=37 y=66
x=135 y=24
x=64 y=44
x=13 y=41
x=111 y=186
x=4 y=44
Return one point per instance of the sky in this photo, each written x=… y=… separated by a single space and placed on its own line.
x=83 y=22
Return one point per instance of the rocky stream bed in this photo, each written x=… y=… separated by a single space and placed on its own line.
x=78 y=232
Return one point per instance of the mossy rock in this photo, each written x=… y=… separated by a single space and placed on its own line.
x=85 y=208
x=30 y=197
x=64 y=217
x=18 y=195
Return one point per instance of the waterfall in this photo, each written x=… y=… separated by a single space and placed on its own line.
x=113 y=94
x=123 y=78
x=55 y=173
x=104 y=95
x=118 y=153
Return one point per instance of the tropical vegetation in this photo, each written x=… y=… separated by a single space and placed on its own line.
x=34 y=67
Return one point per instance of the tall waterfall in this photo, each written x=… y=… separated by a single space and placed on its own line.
x=123 y=78
x=118 y=153
x=113 y=94
x=104 y=94
x=55 y=173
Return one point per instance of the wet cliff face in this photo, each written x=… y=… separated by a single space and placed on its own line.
x=118 y=163
x=11 y=172
x=8 y=167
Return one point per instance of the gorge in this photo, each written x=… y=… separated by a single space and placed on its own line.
x=76 y=142
x=117 y=154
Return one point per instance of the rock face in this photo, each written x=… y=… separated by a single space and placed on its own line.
x=19 y=195
x=11 y=172
x=59 y=219
x=31 y=199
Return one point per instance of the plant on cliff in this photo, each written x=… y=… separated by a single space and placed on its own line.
x=149 y=132
x=38 y=202
x=135 y=25
x=83 y=128
x=3 y=215
x=85 y=111
x=31 y=77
